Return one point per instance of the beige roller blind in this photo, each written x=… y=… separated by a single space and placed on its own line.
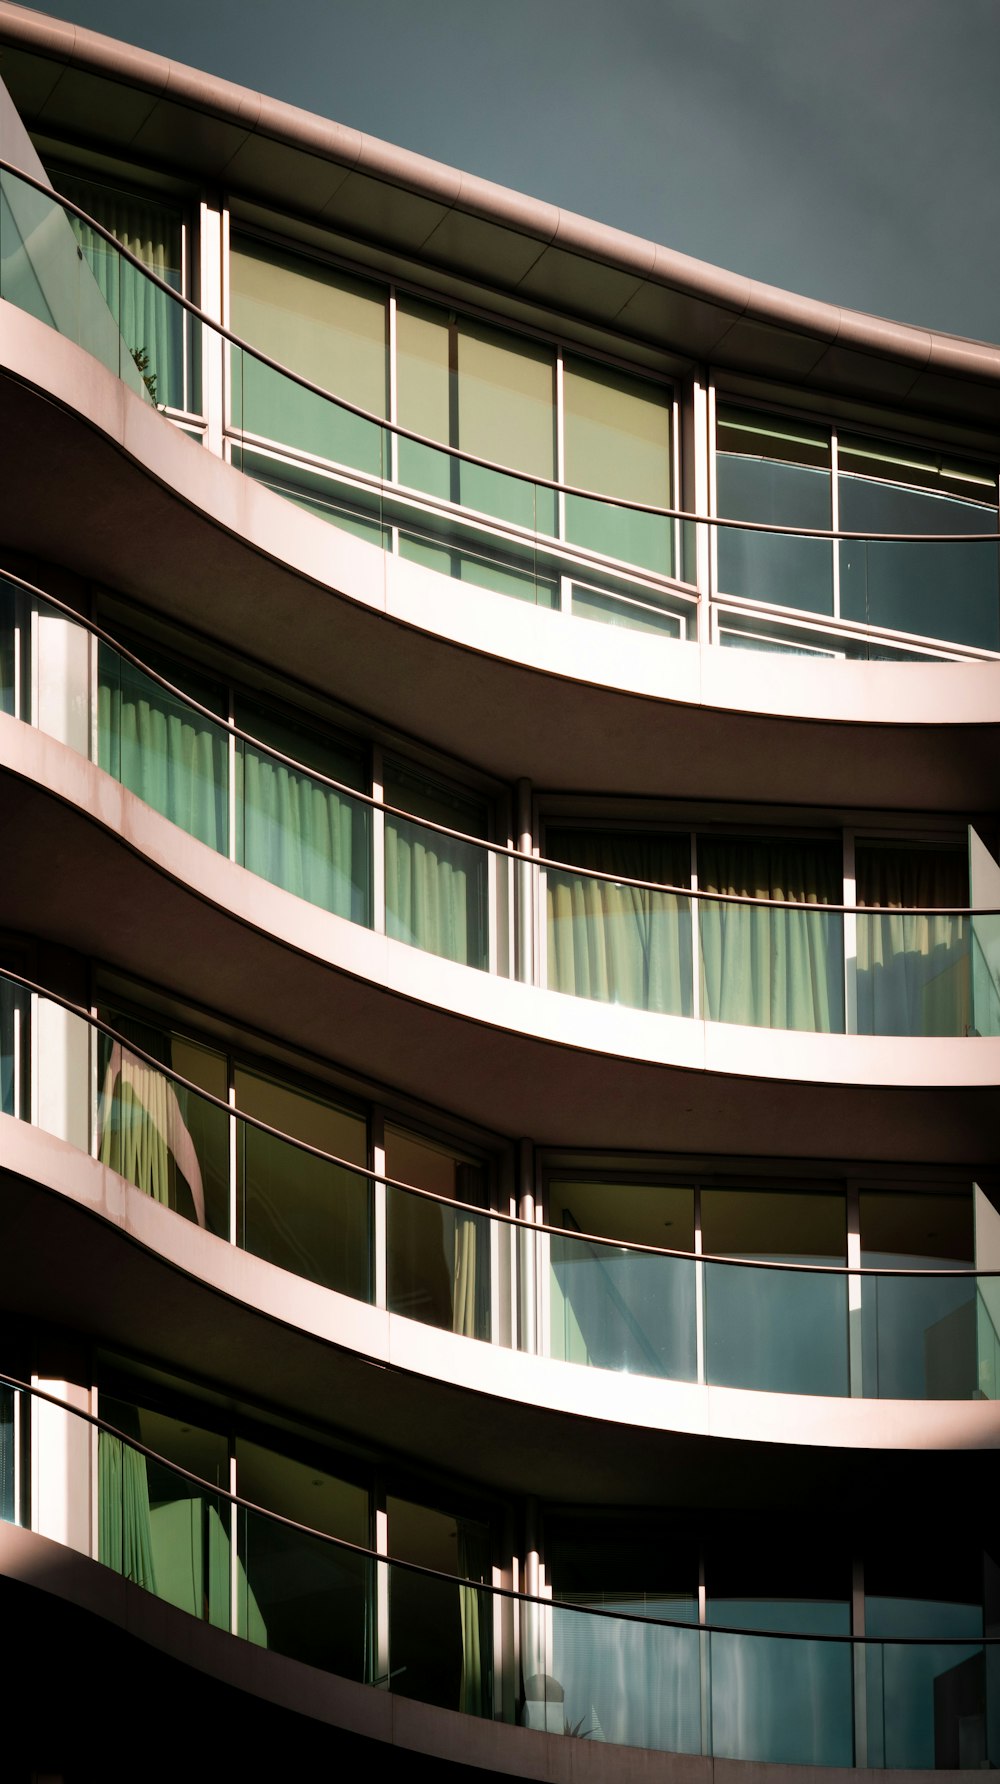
x=617 y=433
x=326 y=325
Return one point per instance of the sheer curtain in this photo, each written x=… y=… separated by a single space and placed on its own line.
x=618 y=943
x=435 y=886
x=172 y=757
x=141 y=1131
x=296 y=832
x=471 y=1567
x=913 y=972
x=470 y=1296
x=771 y=968
x=151 y=324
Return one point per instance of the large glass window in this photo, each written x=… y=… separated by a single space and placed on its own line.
x=172 y=756
x=778 y=471
x=440 y=1633
x=326 y=325
x=435 y=885
x=918 y=1332
x=939 y=591
x=438 y=1258
x=299 y=1211
x=618 y=443
x=771 y=968
x=617 y=942
x=913 y=971
x=927 y=1703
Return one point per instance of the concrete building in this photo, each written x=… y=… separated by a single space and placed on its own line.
x=500 y=935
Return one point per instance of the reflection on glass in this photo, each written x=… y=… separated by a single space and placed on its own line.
x=295 y=831
x=948 y=591
x=604 y=1678
x=437 y=1258
x=165 y=1139
x=298 y=1595
x=926 y=1704
x=300 y=1212
x=918 y=1333
x=614 y=1307
x=771 y=968
x=153 y=327
x=156 y=1527
x=330 y=328
x=635 y=608
x=620 y=943
x=781 y=1330
x=435 y=885
x=776 y=471
x=171 y=756
x=440 y=1631
x=618 y=444
x=913 y=971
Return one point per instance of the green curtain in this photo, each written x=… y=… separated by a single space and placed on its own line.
x=471 y=1609
x=621 y=944
x=434 y=892
x=302 y=835
x=185 y=1576
x=771 y=968
x=913 y=972
x=141 y=1131
x=151 y=324
x=125 y=1540
x=173 y=758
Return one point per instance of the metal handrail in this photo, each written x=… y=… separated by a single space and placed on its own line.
x=367 y=1554
x=504 y=850
x=400 y=432
x=537 y=1228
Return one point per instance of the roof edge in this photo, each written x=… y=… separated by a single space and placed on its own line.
x=742 y=297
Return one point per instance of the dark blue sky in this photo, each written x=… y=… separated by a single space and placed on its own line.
x=849 y=149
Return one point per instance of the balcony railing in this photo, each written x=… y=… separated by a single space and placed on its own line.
x=773 y=1326
x=801 y=1695
x=768 y=962
x=580 y=552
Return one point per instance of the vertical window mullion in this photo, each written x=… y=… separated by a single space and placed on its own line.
x=380 y=1212
x=695 y=935
x=699 y=1293
x=713 y=500
x=835 y=520
x=390 y=469
x=234 y=1154
x=565 y=598
x=850 y=936
x=232 y=764
x=378 y=844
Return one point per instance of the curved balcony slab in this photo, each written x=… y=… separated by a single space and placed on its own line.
x=513 y=1058
x=128 y=1635
x=98 y=481
x=508 y=1420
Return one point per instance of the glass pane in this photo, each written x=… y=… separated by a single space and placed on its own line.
x=506 y=412
x=614 y=1307
x=637 y=609
x=166 y=1140
x=784 y=1702
x=467 y=553
x=437 y=1258
x=304 y=1213
x=778 y=1330
x=8 y=1413
x=10 y=639
x=771 y=968
x=299 y=1595
x=435 y=886
x=926 y=1704
x=440 y=1632
x=156 y=1527
x=152 y=326
x=293 y=830
x=939 y=591
x=619 y=943
x=918 y=1333
x=174 y=758
x=779 y=472
x=325 y=325
x=618 y=443
x=13 y=1047
x=633 y=1684
x=913 y=971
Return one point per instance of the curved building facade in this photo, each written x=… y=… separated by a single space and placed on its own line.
x=499 y=971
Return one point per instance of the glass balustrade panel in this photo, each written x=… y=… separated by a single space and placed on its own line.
x=298 y=1211
x=913 y=970
x=782 y=1331
x=926 y=1702
x=919 y=1337
x=612 y=1306
x=9 y=1406
x=606 y=1679
x=14 y=1005
x=620 y=943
